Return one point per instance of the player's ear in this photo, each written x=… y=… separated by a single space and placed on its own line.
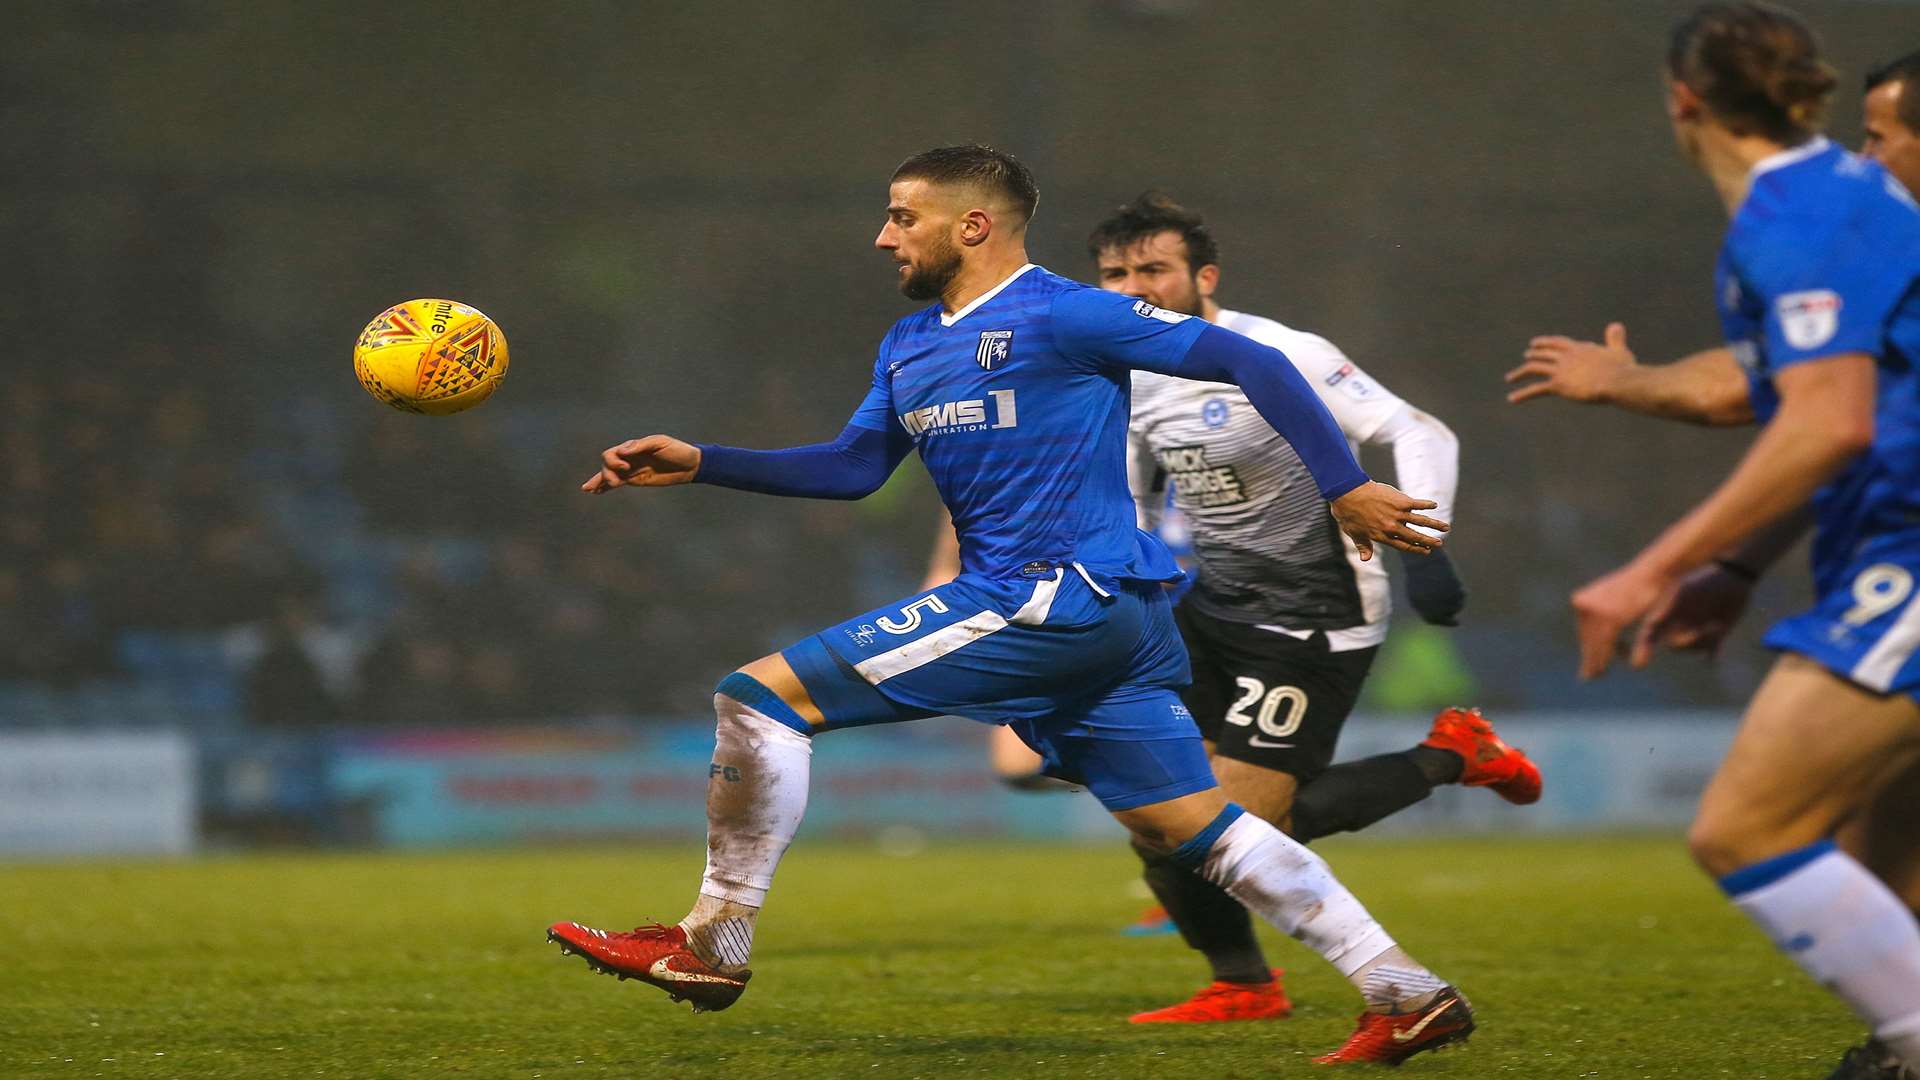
x=1206 y=279
x=1682 y=102
x=975 y=226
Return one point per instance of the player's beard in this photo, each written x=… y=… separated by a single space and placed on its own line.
x=1188 y=304
x=928 y=279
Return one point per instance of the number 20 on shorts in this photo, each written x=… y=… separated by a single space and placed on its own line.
x=1272 y=724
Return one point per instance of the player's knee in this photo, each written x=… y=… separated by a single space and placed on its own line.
x=740 y=698
x=1724 y=842
x=1712 y=847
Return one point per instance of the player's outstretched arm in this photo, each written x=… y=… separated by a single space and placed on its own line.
x=1826 y=419
x=852 y=466
x=1706 y=387
x=1369 y=512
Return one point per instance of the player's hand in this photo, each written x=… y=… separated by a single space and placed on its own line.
x=1697 y=614
x=1376 y=512
x=655 y=461
x=1435 y=589
x=1575 y=370
x=1603 y=609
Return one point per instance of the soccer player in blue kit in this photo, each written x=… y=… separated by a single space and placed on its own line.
x=1817 y=292
x=1013 y=387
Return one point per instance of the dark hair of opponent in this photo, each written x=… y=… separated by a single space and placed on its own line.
x=1153 y=213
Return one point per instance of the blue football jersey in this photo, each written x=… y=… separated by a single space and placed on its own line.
x=1018 y=405
x=1822 y=259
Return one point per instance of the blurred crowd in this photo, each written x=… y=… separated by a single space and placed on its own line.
x=379 y=570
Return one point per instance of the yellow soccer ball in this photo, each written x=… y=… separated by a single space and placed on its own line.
x=431 y=356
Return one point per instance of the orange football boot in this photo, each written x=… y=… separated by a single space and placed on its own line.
x=1490 y=762
x=1220 y=1002
x=1390 y=1040
x=656 y=955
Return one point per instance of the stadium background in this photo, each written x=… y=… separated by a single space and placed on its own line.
x=207 y=529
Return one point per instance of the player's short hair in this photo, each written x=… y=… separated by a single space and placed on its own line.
x=1905 y=70
x=1757 y=68
x=1153 y=213
x=976 y=166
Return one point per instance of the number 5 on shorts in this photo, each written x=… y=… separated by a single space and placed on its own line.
x=929 y=602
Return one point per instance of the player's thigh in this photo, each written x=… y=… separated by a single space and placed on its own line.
x=1807 y=756
x=1266 y=793
x=1885 y=835
x=1010 y=756
x=776 y=674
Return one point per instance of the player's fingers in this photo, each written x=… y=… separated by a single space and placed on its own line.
x=1426 y=522
x=1526 y=370
x=613 y=458
x=1616 y=335
x=1549 y=341
x=1412 y=543
x=1596 y=650
x=1362 y=544
x=1543 y=388
x=1682 y=637
x=1644 y=639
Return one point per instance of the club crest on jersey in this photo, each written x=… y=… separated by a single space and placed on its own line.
x=1148 y=311
x=1214 y=412
x=1808 y=319
x=995 y=347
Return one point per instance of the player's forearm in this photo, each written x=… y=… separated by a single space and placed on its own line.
x=1426 y=457
x=1706 y=387
x=1796 y=453
x=1755 y=554
x=1283 y=398
x=853 y=466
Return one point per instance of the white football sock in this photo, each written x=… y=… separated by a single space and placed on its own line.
x=756 y=796
x=1292 y=888
x=1847 y=930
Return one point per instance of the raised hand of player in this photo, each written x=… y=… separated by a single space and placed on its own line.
x=1376 y=512
x=655 y=461
x=1697 y=614
x=1575 y=370
x=1604 y=608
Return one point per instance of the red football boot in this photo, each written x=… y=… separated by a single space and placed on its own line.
x=656 y=955
x=1390 y=1040
x=1490 y=762
x=1220 y=1002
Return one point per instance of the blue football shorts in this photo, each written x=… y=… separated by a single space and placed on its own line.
x=1089 y=678
x=1865 y=627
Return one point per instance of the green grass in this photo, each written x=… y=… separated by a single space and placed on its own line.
x=1585 y=958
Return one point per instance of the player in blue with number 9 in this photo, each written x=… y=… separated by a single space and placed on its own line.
x=1014 y=389
x=1817 y=293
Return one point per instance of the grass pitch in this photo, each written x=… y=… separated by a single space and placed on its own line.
x=1585 y=958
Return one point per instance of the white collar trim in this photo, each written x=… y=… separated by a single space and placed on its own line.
x=1816 y=145
x=949 y=320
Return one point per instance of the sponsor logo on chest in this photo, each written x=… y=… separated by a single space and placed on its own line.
x=991 y=413
x=1197 y=483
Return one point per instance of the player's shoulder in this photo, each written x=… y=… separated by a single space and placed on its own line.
x=1306 y=349
x=1811 y=197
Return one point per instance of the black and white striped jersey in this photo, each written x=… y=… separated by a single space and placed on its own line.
x=1267 y=551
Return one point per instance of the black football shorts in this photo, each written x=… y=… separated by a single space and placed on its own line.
x=1266 y=698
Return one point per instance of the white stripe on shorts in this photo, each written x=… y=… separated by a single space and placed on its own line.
x=1877 y=669
x=878 y=669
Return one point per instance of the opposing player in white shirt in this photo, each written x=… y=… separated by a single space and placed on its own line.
x=1284 y=618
